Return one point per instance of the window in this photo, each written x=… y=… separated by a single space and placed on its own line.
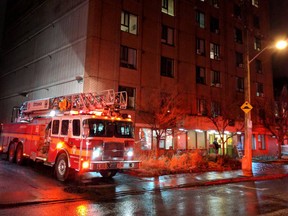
x=258 y=65
x=214 y=51
x=200 y=46
x=215 y=3
x=64 y=127
x=76 y=127
x=128 y=22
x=214 y=25
x=201 y=107
x=168 y=7
x=257 y=44
x=240 y=84
x=215 y=108
x=238 y=36
x=131 y=94
x=259 y=89
x=200 y=19
x=167 y=67
x=215 y=78
x=256 y=22
x=239 y=59
x=261 y=141
x=237 y=11
x=255 y=3
x=128 y=57
x=167 y=36
x=55 y=127
x=200 y=75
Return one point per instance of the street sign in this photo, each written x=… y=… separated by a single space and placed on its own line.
x=246 y=107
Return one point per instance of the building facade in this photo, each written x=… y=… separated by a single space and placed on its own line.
x=196 y=48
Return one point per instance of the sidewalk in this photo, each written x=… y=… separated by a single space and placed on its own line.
x=261 y=171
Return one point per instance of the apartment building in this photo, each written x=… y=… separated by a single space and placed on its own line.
x=196 y=48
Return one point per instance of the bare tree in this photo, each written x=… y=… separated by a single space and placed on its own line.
x=230 y=115
x=164 y=113
x=274 y=115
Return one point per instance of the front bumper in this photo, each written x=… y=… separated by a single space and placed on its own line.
x=112 y=165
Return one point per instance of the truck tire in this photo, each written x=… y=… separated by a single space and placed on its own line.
x=61 y=167
x=108 y=173
x=11 y=153
x=19 y=154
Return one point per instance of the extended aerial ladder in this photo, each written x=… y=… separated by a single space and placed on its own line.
x=107 y=100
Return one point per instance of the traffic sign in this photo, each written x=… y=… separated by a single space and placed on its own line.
x=246 y=107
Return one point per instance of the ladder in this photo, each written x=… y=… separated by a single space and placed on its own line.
x=95 y=101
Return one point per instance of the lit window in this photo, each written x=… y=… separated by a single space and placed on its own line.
x=214 y=25
x=214 y=51
x=128 y=22
x=259 y=89
x=257 y=44
x=240 y=84
x=167 y=67
x=215 y=78
x=201 y=107
x=239 y=59
x=200 y=75
x=200 y=46
x=168 y=7
x=261 y=141
x=255 y=3
x=200 y=19
x=131 y=94
x=167 y=35
x=128 y=57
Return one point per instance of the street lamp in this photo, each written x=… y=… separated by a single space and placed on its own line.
x=247 y=158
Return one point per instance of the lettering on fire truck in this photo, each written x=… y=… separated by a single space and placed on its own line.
x=84 y=132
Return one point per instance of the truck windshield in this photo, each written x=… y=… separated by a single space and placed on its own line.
x=107 y=128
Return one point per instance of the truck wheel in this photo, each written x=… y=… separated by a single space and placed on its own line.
x=108 y=173
x=61 y=167
x=11 y=153
x=19 y=154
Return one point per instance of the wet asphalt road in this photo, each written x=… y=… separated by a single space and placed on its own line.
x=31 y=190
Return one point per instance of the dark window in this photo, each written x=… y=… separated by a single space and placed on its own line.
x=131 y=94
x=240 y=84
x=128 y=57
x=256 y=22
x=200 y=75
x=64 y=127
x=124 y=129
x=167 y=36
x=55 y=127
x=214 y=25
x=200 y=19
x=239 y=59
x=237 y=11
x=258 y=65
x=76 y=127
x=238 y=36
x=200 y=46
x=167 y=67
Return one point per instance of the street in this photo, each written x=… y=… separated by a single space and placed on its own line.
x=31 y=190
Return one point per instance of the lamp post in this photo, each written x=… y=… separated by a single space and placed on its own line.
x=247 y=158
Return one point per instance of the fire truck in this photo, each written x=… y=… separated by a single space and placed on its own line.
x=84 y=132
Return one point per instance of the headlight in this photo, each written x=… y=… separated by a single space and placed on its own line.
x=96 y=153
x=130 y=153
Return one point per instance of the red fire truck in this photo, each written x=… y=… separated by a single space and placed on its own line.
x=84 y=132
